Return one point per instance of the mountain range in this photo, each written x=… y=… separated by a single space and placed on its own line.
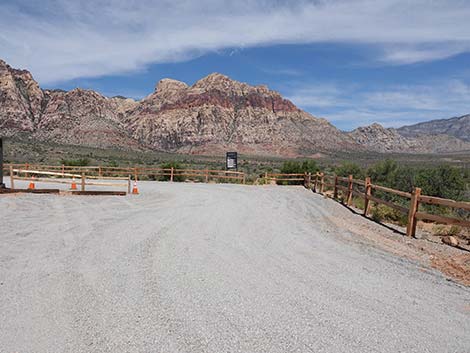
x=213 y=115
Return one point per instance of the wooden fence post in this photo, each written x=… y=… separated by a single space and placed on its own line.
x=83 y=182
x=265 y=177
x=414 y=205
x=207 y=176
x=135 y=173
x=350 y=190
x=172 y=173
x=367 y=193
x=63 y=169
x=100 y=172
x=335 y=188
x=129 y=184
x=12 y=178
x=322 y=182
x=316 y=182
x=244 y=181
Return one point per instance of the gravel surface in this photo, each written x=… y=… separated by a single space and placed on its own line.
x=212 y=268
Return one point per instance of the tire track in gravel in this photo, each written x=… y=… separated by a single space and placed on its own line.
x=213 y=268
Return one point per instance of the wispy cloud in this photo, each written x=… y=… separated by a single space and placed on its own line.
x=61 y=40
x=319 y=95
x=281 y=71
x=393 y=106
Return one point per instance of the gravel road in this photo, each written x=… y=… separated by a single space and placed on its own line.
x=212 y=268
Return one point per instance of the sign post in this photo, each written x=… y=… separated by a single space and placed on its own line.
x=231 y=161
x=2 y=185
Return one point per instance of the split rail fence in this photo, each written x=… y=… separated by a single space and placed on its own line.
x=68 y=178
x=349 y=187
x=319 y=182
x=367 y=190
x=117 y=173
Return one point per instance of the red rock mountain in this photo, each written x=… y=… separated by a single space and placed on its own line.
x=217 y=113
x=211 y=116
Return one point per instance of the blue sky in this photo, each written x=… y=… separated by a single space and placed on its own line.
x=353 y=62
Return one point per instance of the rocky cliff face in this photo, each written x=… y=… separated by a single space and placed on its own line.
x=77 y=117
x=217 y=113
x=377 y=138
x=458 y=127
x=21 y=100
x=211 y=116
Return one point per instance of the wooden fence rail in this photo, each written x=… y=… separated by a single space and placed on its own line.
x=285 y=177
x=414 y=199
x=57 y=178
x=136 y=172
x=319 y=182
x=349 y=187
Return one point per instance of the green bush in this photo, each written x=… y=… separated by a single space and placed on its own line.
x=297 y=167
x=82 y=162
x=381 y=213
x=349 y=168
x=169 y=165
x=384 y=173
x=113 y=164
x=442 y=181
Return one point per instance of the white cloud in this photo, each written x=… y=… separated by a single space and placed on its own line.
x=394 y=106
x=60 y=40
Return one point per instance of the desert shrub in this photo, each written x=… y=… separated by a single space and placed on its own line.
x=382 y=213
x=358 y=202
x=442 y=181
x=349 y=168
x=81 y=162
x=297 y=167
x=383 y=173
x=113 y=164
x=454 y=230
x=169 y=165
x=444 y=230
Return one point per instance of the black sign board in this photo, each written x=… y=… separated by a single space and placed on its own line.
x=231 y=161
x=1 y=164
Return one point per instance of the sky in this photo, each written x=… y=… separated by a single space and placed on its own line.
x=353 y=62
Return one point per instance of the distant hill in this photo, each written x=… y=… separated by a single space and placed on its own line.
x=380 y=139
x=458 y=127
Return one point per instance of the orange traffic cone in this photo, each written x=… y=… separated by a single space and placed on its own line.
x=135 y=191
x=31 y=183
x=74 y=184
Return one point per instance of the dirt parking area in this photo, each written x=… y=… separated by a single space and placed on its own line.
x=221 y=268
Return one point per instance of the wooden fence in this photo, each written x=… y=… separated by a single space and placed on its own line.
x=349 y=187
x=319 y=182
x=84 y=180
x=136 y=172
x=284 y=177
